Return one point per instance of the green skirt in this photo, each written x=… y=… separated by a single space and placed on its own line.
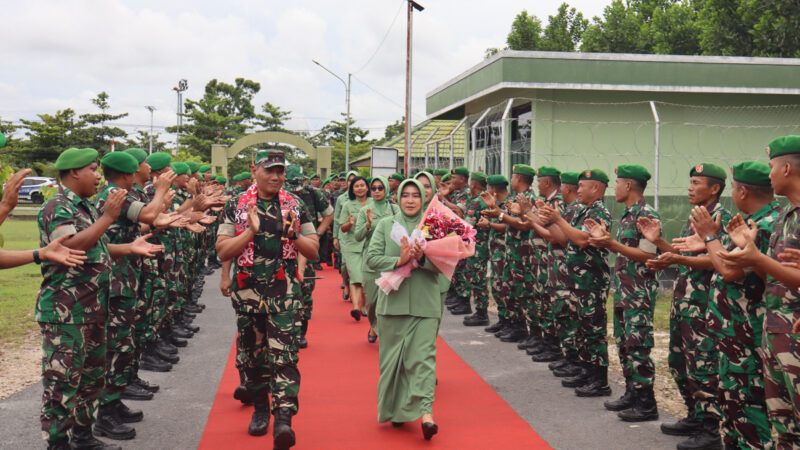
x=407 y=360
x=353 y=261
x=371 y=295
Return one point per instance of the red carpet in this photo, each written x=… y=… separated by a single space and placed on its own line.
x=338 y=395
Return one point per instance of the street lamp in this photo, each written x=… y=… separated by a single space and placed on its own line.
x=151 y=109
x=347 y=124
x=179 y=89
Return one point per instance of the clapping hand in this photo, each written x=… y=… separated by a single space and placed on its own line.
x=548 y=213
x=164 y=181
x=293 y=224
x=57 y=253
x=790 y=257
x=488 y=199
x=416 y=251
x=691 y=244
x=740 y=233
x=141 y=247
x=702 y=222
x=11 y=189
x=598 y=235
x=747 y=256
x=253 y=221
x=524 y=203
x=369 y=217
x=663 y=261
x=514 y=208
x=165 y=220
x=483 y=223
x=208 y=220
x=650 y=229
x=405 y=252
x=114 y=202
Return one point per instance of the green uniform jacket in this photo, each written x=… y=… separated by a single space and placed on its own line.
x=348 y=241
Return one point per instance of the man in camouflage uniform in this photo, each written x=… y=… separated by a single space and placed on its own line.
x=497 y=195
x=317 y=206
x=692 y=349
x=72 y=301
x=477 y=264
x=394 y=183
x=456 y=197
x=264 y=230
x=590 y=281
x=635 y=288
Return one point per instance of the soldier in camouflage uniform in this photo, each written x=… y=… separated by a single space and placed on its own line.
x=264 y=230
x=394 y=183
x=590 y=282
x=478 y=264
x=72 y=302
x=497 y=195
x=635 y=288
x=456 y=197
x=692 y=349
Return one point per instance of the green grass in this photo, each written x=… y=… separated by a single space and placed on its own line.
x=20 y=285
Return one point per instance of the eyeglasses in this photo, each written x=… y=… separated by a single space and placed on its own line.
x=377 y=188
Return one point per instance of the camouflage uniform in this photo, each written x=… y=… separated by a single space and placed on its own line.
x=147 y=270
x=781 y=347
x=477 y=264
x=635 y=288
x=71 y=311
x=589 y=272
x=268 y=301
x=461 y=197
x=497 y=262
x=318 y=207
x=162 y=283
x=544 y=298
x=122 y=303
x=737 y=317
x=565 y=306
x=519 y=277
x=692 y=355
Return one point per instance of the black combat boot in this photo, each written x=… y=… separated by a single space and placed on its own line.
x=303 y=342
x=451 y=299
x=684 y=427
x=480 y=318
x=644 y=407
x=127 y=415
x=179 y=332
x=501 y=322
x=622 y=403
x=165 y=356
x=82 y=438
x=165 y=347
x=146 y=385
x=463 y=307
x=597 y=385
x=561 y=362
x=550 y=353
x=570 y=368
x=109 y=424
x=705 y=438
x=584 y=373
x=282 y=434
x=243 y=395
x=260 y=421
x=516 y=333
x=532 y=341
x=135 y=392
x=58 y=444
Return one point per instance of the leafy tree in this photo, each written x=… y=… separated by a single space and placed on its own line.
x=526 y=32
x=675 y=30
x=617 y=32
x=142 y=140
x=272 y=119
x=336 y=131
x=725 y=27
x=52 y=134
x=395 y=129
x=564 y=31
x=777 y=31
x=98 y=134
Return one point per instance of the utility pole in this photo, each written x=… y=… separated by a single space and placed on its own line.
x=182 y=86
x=151 y=109
x=412 y=5
x=347 y=123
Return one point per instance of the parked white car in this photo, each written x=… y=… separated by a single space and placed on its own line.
x=31 y=186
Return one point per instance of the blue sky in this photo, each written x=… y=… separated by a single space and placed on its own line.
x=59 y=54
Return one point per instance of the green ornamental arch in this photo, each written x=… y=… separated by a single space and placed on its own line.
x=221 y=154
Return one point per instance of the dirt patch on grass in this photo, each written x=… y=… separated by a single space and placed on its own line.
x=20 y=364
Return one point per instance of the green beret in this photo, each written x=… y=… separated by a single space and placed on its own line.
x=313 y=175
x=137 y=153
x=784 y=145
x=76 y=158
x=547 y=171
x=708 y=170
x=440 y=172
x=398 y=176
x=446 y=177
x=180 y=168
x=428 y=169
x=751 y=172
x=569 y=178
x=159 y=160
x=120 y=161
x=341 y=174
x=595 y=175
x=221 y=179
x=326 y=181
x=478 y=176
x=460 y=170
x=241 y=176
x=2 y=140
x=204 y=168
x=633 y=171
x=524 y=169
x=497 y=180
x=193 y=166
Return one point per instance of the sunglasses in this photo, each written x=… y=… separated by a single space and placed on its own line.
x=377 y=188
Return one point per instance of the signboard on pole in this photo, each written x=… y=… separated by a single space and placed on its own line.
x=383 y=161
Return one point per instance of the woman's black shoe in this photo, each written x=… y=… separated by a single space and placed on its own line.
x=355 y=314
x=398 y=424
x=371 y=338
x=429 y=429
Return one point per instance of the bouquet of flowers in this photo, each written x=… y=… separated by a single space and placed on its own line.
x=444 y=237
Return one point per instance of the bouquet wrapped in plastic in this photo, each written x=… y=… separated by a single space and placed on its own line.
x=444 y=237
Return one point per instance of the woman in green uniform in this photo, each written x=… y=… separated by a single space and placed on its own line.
x=429 y=183
x=378 y=207
x=357 y=195
x=408 y=319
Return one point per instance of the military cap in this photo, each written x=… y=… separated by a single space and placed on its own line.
x=398 y=176
x=569 y=178
x=241 y=176
x=547 y=171
x=75 y=158
x=314 y=175
x=497 y=180
x=326 y=181
x=595 y=175
x=180 y=168
x=204 y=168
x=524 y=169
x=221 y=179
x=440 y=172
x=120 y=161
x=460 y=170
x=341 y=174
x=159 y=160
x=137 y=153
x=633 y=171
x=428 y=169
x=478 y=176
x=446 y=177
x=784 y=145
x=751 y=172
x=708 y=170
x=270 y=158
x=2 y=140
x=193 y=166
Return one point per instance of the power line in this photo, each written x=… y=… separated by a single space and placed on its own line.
x=391 y=25
x=385 y=97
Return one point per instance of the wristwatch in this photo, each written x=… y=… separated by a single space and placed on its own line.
x=36 y=257
x=500 y=217
x=710 y=237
